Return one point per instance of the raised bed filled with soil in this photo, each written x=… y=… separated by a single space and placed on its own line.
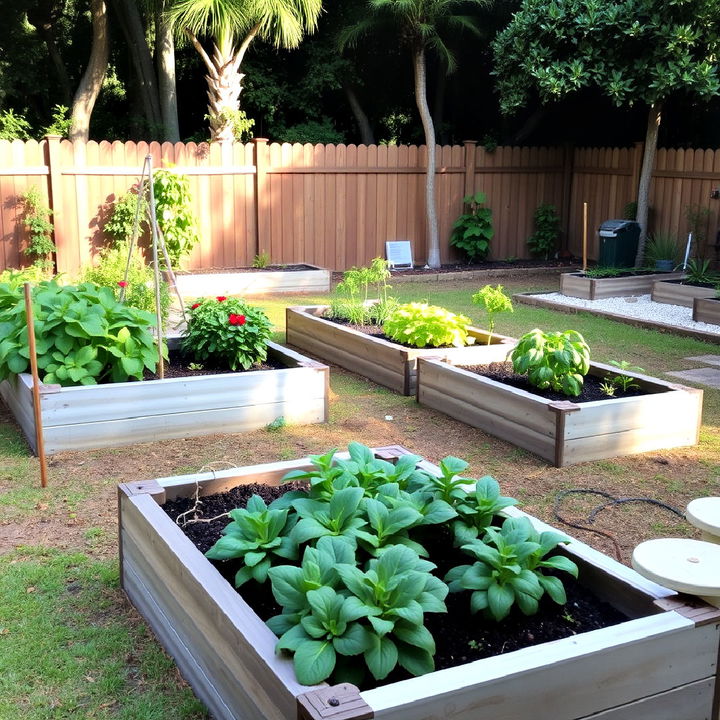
x=706 y=310
x=382 y=361
x=564 y=432
x=677 y=292
x=255 y=281
x=659 y=664
x=115 y=414
x=579 y=285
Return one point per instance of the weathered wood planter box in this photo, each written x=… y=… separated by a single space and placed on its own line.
x=675 y=293
x=578 y=285
x=97 y=416
x=706 y=310
x=382 y=361
x=565 y=432
x=659 y=665
x=313 y=279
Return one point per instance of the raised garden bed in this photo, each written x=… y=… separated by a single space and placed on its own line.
x=382 y=361
x=251 y=281
x=706 y=310
x=578 y=285
x=675 y=292
x=96 y=416
x=659 y=665
x=564 y=432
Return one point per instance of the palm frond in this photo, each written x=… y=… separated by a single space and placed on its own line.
x=210 y=17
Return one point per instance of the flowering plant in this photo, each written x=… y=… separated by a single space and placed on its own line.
x=226 y=332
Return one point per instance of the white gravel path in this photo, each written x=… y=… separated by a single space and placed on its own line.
x=639 y=307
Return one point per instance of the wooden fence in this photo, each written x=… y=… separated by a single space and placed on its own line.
x=336 y=206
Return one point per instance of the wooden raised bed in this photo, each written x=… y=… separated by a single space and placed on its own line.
x=578 y=285
x=254 y=282
x=706 y=310
x=565 y=432
x=659 y=665
x=115 y=414
x=382 y=361
x=676 y=293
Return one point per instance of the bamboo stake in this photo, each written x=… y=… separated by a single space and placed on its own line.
x=36 y=386
x=584 y=252
x=156 y=268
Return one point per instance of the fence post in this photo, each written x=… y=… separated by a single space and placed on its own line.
x=566 y=202
x=262 y=229
x=470 y=146
x=55 y=198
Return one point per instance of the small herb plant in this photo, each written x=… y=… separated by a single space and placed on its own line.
x=473 y=230
x=607 y=388
x=493 y=300
x=352 y=293
x=356 y=584
x=557 y=360
x=621 y=380
x=226 y=332
x=604 y=272
x=699 y=272
x=36 y=219
x=261 y=260
x=83 y=335
x=547 y=230
x=423 y=325
x=661 y=246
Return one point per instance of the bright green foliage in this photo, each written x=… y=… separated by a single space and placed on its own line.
x=493 y=300
x=639 y=50
x=173 y=206
x=350 y=299
x=226 y=332
x=140 y=289
x=60 y=124
x=509 y=569
x=624 y=382
x=473 y=230
x=121 y=224
x=257 y=535
x=422 y=325
x=661 y=246
x=604 y=272
x=340 y=516
x=557 y=360
x=448 y=486
x=477 y=509
x=547 y=230
x=699 y=272
x=36 y=219
x=15 y=278
x=13 y=127
x=83 y=335
x=261 y=260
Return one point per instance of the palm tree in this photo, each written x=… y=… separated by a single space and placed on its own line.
x=420 y=25
x=233 y=25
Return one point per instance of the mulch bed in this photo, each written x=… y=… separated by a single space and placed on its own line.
x=178 y=367
x=225 y=270
x=503 y=372
x=460 y=636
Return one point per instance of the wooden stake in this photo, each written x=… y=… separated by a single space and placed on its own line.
x=36 y=386
x=584 y=257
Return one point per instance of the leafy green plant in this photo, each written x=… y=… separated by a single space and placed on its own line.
x=557 y=360
x=13 y=127
x=257 y=536
x=607 y=388
x=15 y=278
x=60 y=122
x=547 y=230
x=509 y=569
x=661 y=246
x=623 y=381
x=448 y=486
x=604 y=272
x=121 y=222
x=352 y=293
x=226 y=332
x=493 y=300
x=697 y=217
x=423 y=325
x=261 y=260
x=83 y=335
x=241 y=125
x=477 y=509
x=36 y=219
x=473 y=230
x=174 y=213
x=699 y=272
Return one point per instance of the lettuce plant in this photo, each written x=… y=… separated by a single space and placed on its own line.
x=422 y=325
x=557 y=360
x=340 y=516
x=478 y=508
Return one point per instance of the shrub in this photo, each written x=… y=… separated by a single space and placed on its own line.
x=122 y=218
x=351 y=295
x=423 y=325
x=557 y=360
x=700 y=273
x=36 y=219
x=83 y=335
x=473 y=230
x=494 y=300
x=226 y=332
x=661 y=246
x=547 y=230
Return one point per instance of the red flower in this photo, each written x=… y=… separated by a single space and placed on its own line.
x=221 y=298
x=122 y=283
x=196 y=305
x=234 y=319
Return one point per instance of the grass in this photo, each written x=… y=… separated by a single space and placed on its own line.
x=72 y=647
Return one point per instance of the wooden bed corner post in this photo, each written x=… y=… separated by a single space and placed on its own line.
x=561 y=408
x=337 y=702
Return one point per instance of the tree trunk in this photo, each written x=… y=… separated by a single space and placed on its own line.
x=367 y=137
x=433 y=241
x=132 y=28
x=165 y=49
x=92 y=79
x=651 y=136
x=438 y=112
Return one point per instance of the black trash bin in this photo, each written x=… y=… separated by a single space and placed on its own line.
x=618 y=243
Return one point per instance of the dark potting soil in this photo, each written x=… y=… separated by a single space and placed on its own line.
x=269 y=268
x=460 y=636
x=503 y=372
x=178 y=367
x=691 y=284
x=625 y=273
